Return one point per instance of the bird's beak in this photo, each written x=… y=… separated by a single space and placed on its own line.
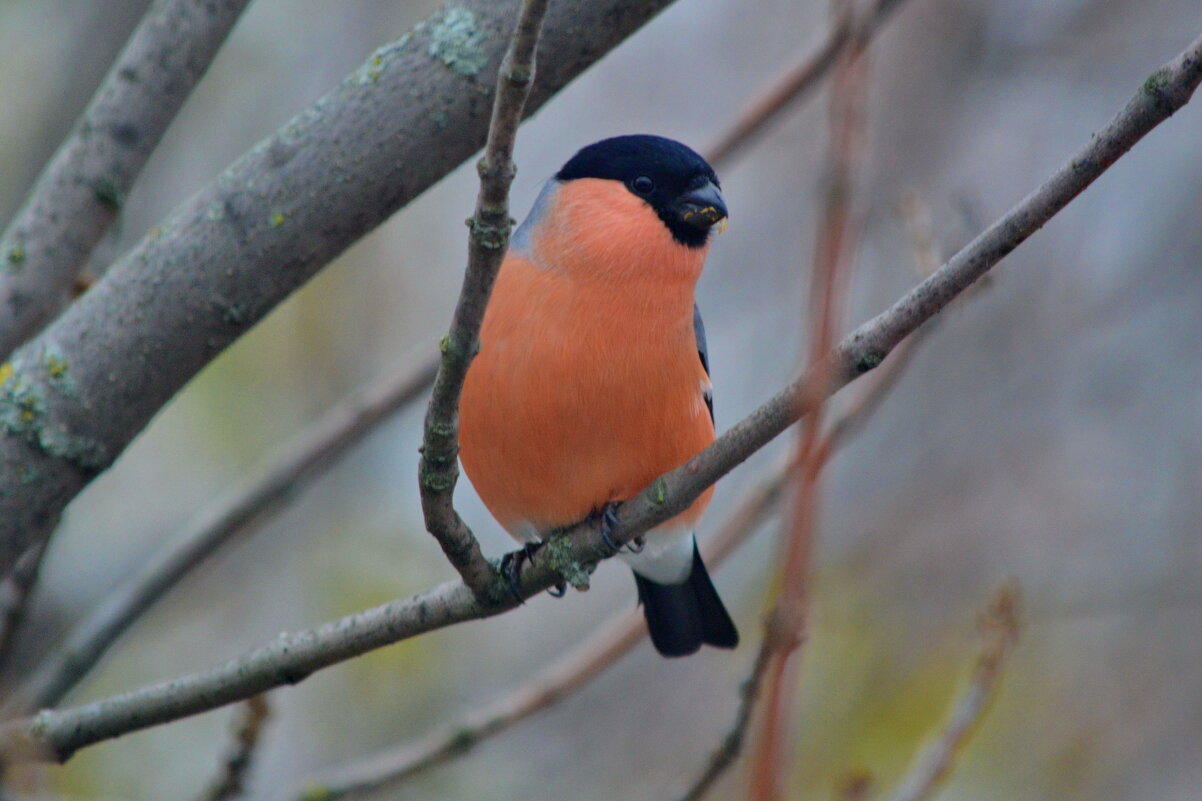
x=702 y=207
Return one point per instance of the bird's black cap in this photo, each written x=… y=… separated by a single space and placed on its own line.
x=672 y=178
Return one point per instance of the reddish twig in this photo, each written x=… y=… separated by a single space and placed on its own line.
x=849 y=32
x=231 y=781
x=833 y=261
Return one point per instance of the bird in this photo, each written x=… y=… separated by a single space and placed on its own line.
x=592 y=375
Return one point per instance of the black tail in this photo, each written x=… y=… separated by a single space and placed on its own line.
x=681 y=617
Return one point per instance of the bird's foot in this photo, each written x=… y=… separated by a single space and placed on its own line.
x=511 y=569
x=609 y=522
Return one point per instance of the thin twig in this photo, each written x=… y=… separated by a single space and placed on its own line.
x=289 y=659
x=14 y=596
x=231 y=781
x=999 y=631
x=487 y=243
x=732 y=744
x=834 y=261
x=927 y=261
x=81 y=190
x=848 y=32
x=297 y=462
x=549 y=687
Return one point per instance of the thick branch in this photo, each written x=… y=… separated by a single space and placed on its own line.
x=57 y=734
x=73 y=398
x=301 y=460
x=81 y=190
x=487 y=243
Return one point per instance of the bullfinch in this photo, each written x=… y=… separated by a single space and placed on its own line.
x=592 y=377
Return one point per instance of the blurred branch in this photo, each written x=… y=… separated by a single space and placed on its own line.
x=830 y=275
x=732 y=743
x=244 y=509
x=239 y=246
x=81 y=190
x=999 y=631
x=487 y=243
x=14 y=595
x=230 y=783
x=882 y=379
x=289 y=659
x=552 y=684
x=848 y=33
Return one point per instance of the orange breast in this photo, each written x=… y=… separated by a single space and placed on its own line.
x=585 y=389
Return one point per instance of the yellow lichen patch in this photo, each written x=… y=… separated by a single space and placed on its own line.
x=6 y=372
x=56 y=367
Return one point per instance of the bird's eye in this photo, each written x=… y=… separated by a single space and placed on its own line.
x=643 y=185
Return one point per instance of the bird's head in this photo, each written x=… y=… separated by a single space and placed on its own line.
x=669 y=178
x=626 y=210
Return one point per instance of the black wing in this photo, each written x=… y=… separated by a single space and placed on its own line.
x=703 y=352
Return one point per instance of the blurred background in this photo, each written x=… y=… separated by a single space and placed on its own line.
x=1049 y=430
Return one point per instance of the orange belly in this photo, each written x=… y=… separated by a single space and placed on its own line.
x=578 y=398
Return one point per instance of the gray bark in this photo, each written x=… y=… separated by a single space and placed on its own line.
x=74 y=397
x=80 y=192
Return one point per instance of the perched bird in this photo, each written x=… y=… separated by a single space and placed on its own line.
x=592 y=377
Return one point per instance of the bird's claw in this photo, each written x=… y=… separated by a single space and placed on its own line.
x=511 y=568
x=609 y=522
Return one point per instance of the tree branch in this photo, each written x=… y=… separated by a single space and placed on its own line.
x=999 y=631
x=14 y=596
x=227 y=256
x=732 y=744
x=487 y=244
x=297 y=462
x=57 y=734
x=81 y=190
x=230 y=782
x=849 y=32
x=552 y=684
x=830 y=276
